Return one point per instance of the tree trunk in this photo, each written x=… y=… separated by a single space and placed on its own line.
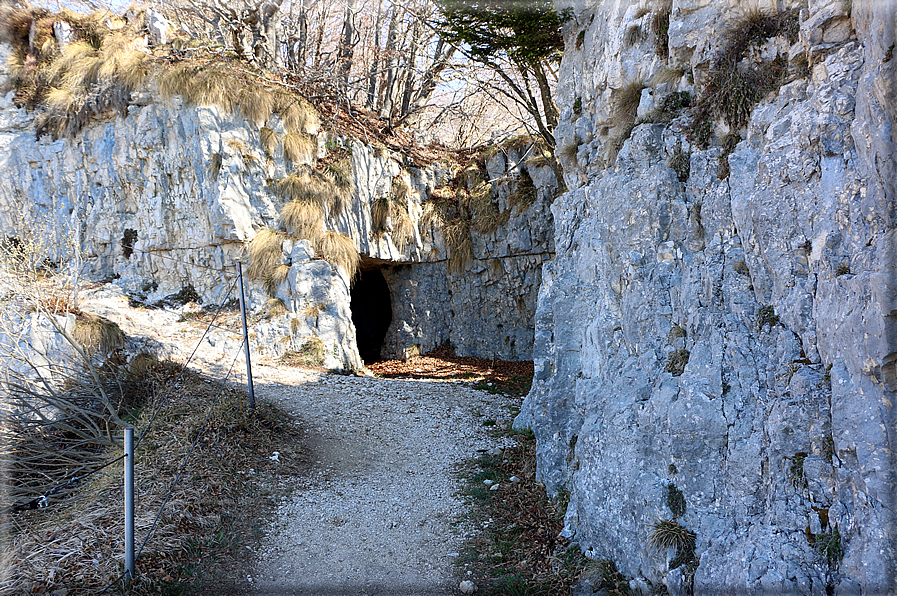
x=347 y=45
x=375 y=62
x=387 y=82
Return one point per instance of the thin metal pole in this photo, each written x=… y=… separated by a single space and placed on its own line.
x=129 y=504
x=246 y=337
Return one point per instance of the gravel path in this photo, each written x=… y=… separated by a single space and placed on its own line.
x=375 y=515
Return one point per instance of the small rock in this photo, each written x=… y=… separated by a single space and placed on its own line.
x=494 y=487
x=514 y=479
x=467 y=587
x=487 y=482
x=495 y=451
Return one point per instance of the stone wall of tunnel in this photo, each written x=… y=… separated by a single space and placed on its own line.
x=486 y=311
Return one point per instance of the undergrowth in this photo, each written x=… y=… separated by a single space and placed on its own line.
x=213 y=513
x=516 y=548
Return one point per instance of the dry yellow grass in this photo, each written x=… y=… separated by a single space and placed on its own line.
x=256 y=104
x=297 y=115
x=97 y=334
x=340 y=251
x=299 y=148
x=459 y=242
x=304 y=218
x=269 y=140
x=265 y=253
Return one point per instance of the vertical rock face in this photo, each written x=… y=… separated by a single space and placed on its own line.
x=732 y=338
x=166 y=197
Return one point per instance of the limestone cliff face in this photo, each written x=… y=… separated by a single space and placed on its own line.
x=729 y=337
x=167 y=196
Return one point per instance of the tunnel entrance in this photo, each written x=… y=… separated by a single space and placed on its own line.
x=371 y=313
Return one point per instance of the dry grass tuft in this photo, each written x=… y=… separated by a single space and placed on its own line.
x=343 y=177
x=269 y=140
x=627 y=101
x=299 y=148
x=97 y=334
x=390 y=216
x=634 y=35
x=257 y=104
x=265 y=253
x=524 y=194
x=307 y=184
x=214 y=167
x=339 y=250
x=275 y=307
x=303 y=218
x=431 y=216
x=297 y=115
x=459 y=242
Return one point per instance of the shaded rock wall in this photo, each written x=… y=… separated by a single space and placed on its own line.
x=778 y=284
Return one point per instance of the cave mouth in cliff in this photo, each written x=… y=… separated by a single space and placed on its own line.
x=371 y=312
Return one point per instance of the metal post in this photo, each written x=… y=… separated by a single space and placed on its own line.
x=129 y=504
x=246 y=337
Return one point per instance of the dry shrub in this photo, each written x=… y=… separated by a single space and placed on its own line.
x=97 y=334
x=77 y=548
x=339 y=250
x=299 y=147
x=303 y=218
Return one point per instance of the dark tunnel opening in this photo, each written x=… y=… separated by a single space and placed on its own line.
x=371 y=313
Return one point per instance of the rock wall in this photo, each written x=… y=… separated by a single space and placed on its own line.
x=730 y=338
x=149 y=205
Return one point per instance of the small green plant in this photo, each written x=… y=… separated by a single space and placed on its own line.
x=828 y=545
x=676 y=364
x=796 y=470
x=675 y=501
x=828 y=448
x=672 y=469
x=843 y=269
x=577 y=106
x=680 y=163
x=730 y=92
x=580 y=39
x=676 y=332
x=741 y=268
x=660 y=27
x=767 y=316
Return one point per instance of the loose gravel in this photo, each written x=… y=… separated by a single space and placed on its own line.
x=378 y=514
